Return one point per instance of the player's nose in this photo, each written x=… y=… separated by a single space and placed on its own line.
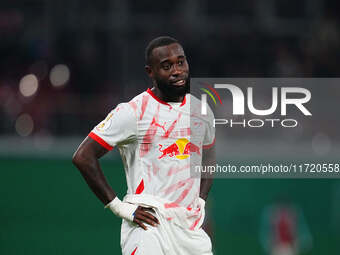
x=176 y=71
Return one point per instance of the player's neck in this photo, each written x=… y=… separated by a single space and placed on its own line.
x=158 y=93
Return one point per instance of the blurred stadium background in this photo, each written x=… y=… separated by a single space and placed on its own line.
x=65 y=64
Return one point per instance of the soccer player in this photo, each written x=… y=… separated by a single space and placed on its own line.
x=158 y=137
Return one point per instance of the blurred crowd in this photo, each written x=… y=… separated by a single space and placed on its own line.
x=65 y=64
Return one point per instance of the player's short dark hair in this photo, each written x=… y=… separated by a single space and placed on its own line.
x=155 y=43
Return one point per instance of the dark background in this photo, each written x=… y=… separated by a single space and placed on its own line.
x=102 y=43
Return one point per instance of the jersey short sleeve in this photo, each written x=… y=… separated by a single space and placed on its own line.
x=209 y=136
x=119 y=127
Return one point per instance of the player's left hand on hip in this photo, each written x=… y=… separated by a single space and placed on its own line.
x=143 y=216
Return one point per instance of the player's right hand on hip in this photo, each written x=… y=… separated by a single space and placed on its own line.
x=142 y=215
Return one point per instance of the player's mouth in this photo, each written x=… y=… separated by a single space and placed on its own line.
x=179 y=82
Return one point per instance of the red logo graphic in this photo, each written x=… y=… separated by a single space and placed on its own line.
x=182 y=149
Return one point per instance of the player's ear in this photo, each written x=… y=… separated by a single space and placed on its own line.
x=149 y=71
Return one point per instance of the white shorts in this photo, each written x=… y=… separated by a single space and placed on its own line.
x=165 y=239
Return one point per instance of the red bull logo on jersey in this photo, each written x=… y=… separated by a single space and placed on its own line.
x=181 y=149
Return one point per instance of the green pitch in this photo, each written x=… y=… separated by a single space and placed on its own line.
x=47 y=208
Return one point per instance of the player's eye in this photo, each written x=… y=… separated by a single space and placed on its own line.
x=181 y=62
x=166 y=67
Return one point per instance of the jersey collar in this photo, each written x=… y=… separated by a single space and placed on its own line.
x=163 y=102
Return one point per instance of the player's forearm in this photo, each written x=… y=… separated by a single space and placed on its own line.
x=91 y=171
x=206 y=184
x=208 y=160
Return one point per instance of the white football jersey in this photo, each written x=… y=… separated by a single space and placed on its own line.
x=157 y=146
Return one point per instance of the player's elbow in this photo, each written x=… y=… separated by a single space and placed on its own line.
x=76 y=158
x=79 y=158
